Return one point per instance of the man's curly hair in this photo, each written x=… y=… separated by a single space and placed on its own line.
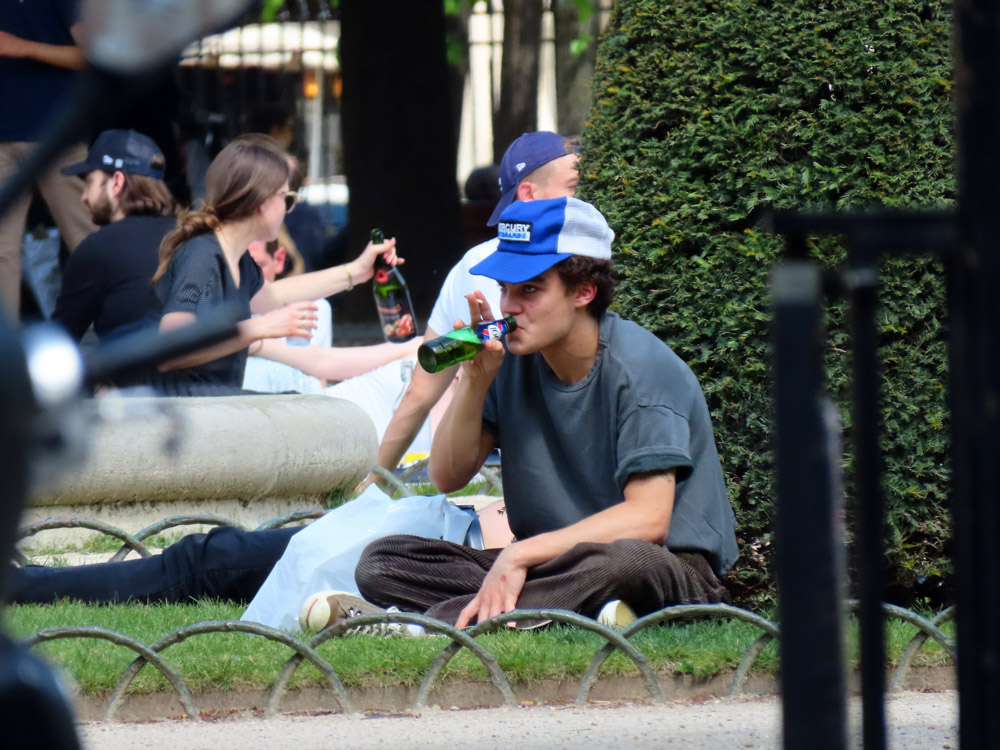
x=578 y=269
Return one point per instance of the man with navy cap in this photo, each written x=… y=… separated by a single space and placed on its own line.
x=536 y=166
x=106 y=281
x=613 y=485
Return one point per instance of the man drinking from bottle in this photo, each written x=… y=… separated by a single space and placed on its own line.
x=613 y=485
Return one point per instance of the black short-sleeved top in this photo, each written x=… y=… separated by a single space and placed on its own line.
x=569 y=449
x=107 y=279
x=197 y=281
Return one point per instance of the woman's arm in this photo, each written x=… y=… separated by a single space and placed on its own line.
x=324 y=283
x=336 y=363
x=296 y=319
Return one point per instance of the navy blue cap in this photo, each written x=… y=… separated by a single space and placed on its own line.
x=535 y=235
x=120 y=151
x=522 y=157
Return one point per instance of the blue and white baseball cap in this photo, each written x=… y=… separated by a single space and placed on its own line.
x=535 y=235
x=522 y=157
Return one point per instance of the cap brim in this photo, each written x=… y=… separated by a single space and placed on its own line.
x=78 y=168
x=505 y=200
x=516 y=268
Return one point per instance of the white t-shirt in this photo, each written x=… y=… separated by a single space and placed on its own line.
x=451 y=303
x=378 y=392
x=267 y=376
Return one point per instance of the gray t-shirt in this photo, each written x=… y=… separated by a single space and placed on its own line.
x=569 y=449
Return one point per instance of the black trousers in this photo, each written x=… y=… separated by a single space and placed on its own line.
x=440 y=578
x=225 y=563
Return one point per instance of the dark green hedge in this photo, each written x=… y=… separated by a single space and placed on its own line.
x=705 y=113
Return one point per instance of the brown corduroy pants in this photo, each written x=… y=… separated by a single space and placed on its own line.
x=440 y=578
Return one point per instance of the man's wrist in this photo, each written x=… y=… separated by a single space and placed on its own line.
x=514 y=554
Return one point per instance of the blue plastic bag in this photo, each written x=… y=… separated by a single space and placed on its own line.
x=324 y=554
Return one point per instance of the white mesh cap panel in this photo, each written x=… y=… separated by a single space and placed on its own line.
x=585 y=231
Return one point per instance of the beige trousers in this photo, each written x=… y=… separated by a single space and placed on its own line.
x=60 y=193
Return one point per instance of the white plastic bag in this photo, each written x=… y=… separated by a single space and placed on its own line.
x=324 y=554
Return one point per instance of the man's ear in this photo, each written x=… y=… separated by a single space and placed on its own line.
x=280 y=257
x=585 y=293
x=117 y=183
x=526 y=190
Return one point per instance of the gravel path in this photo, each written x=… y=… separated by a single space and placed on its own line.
x=917 y=721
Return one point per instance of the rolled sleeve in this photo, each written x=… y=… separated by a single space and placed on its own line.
x=186 y=295
x=653 y=438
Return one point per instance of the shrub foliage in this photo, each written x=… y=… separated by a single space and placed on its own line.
x=707 y=112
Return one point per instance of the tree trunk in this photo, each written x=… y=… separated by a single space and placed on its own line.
x=399 y=144
x=574 y=69
x=457 y=47
x=518 y=109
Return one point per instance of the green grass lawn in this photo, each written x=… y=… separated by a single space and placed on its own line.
x=229 y=661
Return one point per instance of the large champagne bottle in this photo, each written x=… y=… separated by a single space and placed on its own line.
x=461 y=344
x=392 y=299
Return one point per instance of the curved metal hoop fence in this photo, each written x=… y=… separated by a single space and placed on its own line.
x=303 y=650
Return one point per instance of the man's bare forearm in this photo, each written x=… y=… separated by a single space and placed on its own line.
x=424 y=391
x=644 y=514
x=460 y=445
x=335 y=363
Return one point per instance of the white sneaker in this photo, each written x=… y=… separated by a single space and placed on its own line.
x=616 y=614
x=327 y=608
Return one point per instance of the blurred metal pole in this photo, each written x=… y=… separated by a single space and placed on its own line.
x=974 y=281
x=861 y=283
x=17 y=414
x=812 y=672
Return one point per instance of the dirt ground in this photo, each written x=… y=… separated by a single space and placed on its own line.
x=916 y=721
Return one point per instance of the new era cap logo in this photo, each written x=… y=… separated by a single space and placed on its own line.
x=514 y=231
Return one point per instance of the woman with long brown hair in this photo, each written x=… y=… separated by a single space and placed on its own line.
x=204 y=263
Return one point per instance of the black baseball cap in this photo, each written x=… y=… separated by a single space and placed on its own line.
x=120 y=151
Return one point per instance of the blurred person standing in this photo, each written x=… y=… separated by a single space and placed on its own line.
x=305 y=225
x=39 y=55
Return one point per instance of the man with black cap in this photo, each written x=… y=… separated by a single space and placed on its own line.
x=537 y=165
x=613 y=486
x=106 y=282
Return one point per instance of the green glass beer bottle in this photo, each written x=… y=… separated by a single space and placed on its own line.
x=392 y=299
x=461 y=344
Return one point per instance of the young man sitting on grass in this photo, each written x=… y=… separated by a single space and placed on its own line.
x=612 y=482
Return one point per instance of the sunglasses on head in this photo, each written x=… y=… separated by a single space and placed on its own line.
x=291 y=198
